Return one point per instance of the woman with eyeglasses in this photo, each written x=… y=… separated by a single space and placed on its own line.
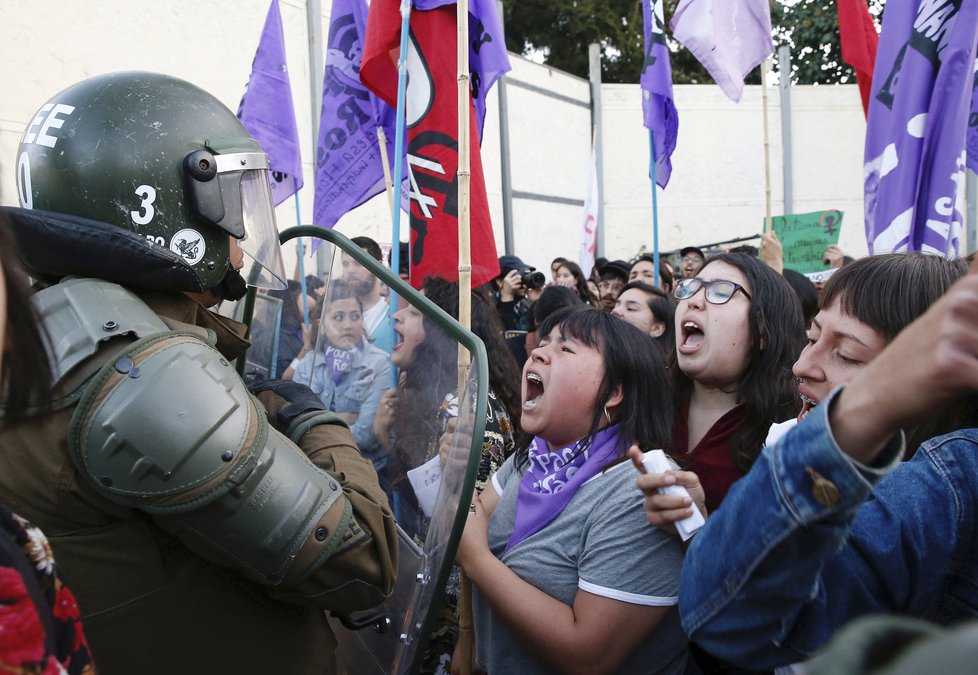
x=739 y=329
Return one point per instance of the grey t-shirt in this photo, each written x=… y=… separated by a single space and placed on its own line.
x=600 y=543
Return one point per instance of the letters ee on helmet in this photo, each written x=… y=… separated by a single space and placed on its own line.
x=162 y=158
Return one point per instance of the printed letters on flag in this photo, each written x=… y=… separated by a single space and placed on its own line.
x=918 y=121
x=266 y=109
x=657 y=105
x=432 y=143
x=349 y=166
x=857 y=34
x=729 y=37
x=592 y=202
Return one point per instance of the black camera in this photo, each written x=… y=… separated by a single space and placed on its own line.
x=532 y=279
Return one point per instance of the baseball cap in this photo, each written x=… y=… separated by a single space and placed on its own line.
x=512 y=262
x=619 y=267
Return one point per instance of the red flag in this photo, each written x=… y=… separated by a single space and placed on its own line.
x=432 y=139
x=859 y=39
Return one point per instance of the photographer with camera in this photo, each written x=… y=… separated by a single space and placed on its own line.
x=514 y=290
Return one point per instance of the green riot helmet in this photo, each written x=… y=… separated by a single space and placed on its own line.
x=163 y=159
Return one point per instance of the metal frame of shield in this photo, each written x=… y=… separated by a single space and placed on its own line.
x=392 y=637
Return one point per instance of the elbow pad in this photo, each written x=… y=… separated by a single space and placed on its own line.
x=168 y=427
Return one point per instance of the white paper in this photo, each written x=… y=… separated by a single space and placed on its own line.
x=426 y=479
x=822 y=276
x=656 y=461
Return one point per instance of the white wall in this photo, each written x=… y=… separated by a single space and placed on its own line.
x=717 y=191
x=717 y=188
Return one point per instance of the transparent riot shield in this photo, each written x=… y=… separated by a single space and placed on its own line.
x=394 y=376
x=265 y=326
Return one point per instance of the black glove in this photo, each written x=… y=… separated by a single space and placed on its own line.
x=291 y=399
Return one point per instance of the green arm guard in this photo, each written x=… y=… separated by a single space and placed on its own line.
x=169 y=428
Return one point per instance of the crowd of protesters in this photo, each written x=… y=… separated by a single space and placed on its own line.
x=717 y=361
x=826 y=434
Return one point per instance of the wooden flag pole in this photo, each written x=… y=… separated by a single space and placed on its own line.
x=385 y=162
x=465 y=635
x=767 y=151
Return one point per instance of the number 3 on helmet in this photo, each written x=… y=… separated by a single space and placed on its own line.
x=161 y=158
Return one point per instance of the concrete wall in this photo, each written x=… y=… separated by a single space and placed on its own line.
x=717 y=191
x=717 y=187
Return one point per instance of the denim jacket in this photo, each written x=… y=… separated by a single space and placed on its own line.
x=776 y=571
x=359 y=392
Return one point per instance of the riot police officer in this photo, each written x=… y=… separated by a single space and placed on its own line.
x=199 y=531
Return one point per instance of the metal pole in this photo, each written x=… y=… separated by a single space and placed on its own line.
x=972 y=218
x=594 y=75
x=314 y=31
x=504 y=165
x=767 y=148
x=784 y=77
x=314 y=27
x=655 y=209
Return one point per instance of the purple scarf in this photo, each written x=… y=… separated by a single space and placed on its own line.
x=340 y=361
x=554 y=476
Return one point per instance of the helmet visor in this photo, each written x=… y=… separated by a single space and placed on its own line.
x=263 y=265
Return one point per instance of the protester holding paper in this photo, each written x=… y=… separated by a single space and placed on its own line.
x=418 y=417
x=829 y=524
x=863 y=308
x=569 y=577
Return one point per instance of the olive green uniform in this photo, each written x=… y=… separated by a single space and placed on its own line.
x=149 y=603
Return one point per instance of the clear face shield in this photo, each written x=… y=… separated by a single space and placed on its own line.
x=263 y=265
x=229 y=188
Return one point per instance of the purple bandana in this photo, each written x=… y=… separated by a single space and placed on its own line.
x=554 y=476
x=340 y=361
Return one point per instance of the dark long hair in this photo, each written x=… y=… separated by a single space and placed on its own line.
x=504 y=375
x=663 y=308
x=631 y=362
x=580 y=281
x=433 y=374
x=767 y=389
x=25 y=380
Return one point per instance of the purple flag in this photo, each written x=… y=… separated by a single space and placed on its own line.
x=349 y=166
x=729 y=37
x=488 y=58
x=917 y=125
x=656 y=81
x=973 y=124
x=267 y=112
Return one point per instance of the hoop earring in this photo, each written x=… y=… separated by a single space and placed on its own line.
x=607 y=415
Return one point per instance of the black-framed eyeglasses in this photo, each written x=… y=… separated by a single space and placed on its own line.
x=718 y=291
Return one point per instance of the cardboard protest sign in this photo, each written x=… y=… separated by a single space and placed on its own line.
x=804 y=237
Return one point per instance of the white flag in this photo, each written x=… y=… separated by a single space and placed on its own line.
x=589 y=236
x=729 y=37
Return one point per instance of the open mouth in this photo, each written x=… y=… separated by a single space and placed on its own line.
x=398 y=339
x=692 y=335
x=533 y=391
x=807 y=404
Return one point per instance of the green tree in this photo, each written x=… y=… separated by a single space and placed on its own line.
x=560 y=31
x=810 y=28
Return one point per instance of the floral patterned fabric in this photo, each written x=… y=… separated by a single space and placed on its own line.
x=40 y=624
x=498 y=444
